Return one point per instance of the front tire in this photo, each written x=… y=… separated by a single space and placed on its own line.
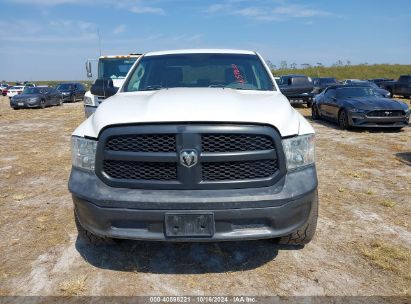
x=60 y=102
x=88 y=237
x=343 y=120
x=309 y=104
x=73 y=98
x=314 y=112
x=42 y=103
x=305 y=234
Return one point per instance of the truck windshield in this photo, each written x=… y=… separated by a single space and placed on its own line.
x=114 y=68
x=356 y=92
x=236 y=71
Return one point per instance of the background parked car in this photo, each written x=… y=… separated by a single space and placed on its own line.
x=72 y=91
x=320 y=83
x=3 y=86
x=37 y=97
x=14 y=90
x=376 y=88
x=348 y=81
x=5 y=90
x=360 y=106
x=379 y=81
x=297 y=88
x=401 y=87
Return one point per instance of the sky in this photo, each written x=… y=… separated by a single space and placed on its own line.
x=52 y=39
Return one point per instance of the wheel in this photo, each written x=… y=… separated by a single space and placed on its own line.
x=88 y=237
x=406 y=96
x=343 y=119
x=73 y=98
x=42 y=103
x=306 y=233
x=391 y=92
x=309 y=104
x=16 y=108
x=60 y=102
x=314 y=112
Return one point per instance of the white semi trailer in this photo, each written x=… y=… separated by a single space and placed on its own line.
x=108 y=67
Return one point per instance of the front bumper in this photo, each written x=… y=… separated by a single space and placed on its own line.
x=24 y=104
x=67 y=97
x=362 y=120
x=301 y=98
x=239 y=214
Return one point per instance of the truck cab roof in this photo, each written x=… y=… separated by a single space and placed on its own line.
x=120 y=56
x=200 y=51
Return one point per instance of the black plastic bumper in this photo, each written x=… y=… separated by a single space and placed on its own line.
x=360 y=120
x=300 y=98
x=24 y=104
x=67 y=97
x=239 y=214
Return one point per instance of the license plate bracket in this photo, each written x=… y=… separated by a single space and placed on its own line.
x=189 y=225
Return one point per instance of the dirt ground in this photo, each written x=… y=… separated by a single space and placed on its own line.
x=362 y=245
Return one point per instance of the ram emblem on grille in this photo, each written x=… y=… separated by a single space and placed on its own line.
x=188 y=158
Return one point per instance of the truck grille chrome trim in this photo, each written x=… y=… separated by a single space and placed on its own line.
x=227 y=156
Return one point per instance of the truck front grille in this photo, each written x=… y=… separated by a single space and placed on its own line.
x=140 y=170
x=235 y=142
x=240 y=170
x=228 y=156
x=143 y=143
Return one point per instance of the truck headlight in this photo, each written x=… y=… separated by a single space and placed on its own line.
x=88 y=100
x=299 y=151
x=83 y=152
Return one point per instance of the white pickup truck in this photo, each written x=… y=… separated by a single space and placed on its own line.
x=197 y=145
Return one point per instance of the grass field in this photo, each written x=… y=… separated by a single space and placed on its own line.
x=351 y=71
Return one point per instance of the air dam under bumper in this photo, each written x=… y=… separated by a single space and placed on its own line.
x=239 y=214
x=361 y=120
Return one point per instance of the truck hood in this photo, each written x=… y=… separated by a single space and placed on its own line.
x=26 y=96
x=196 y=105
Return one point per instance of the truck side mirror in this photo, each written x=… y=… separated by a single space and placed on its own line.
x=88 y=69
x=103 y=87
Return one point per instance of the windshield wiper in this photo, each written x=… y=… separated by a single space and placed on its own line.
x=226 y=86
x=217 y=86
x=153 y=88
x=240 y=88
